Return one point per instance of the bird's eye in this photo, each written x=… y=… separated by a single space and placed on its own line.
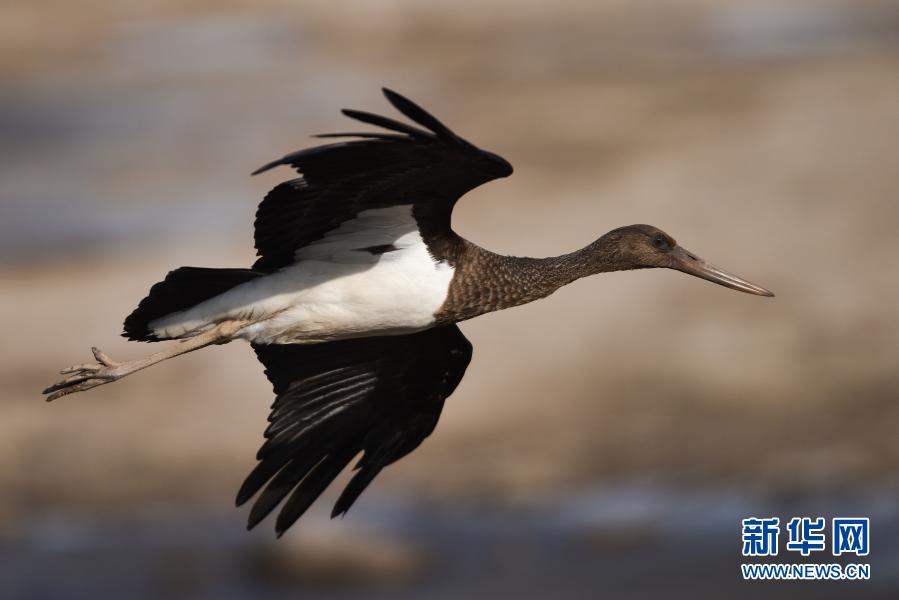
x=660 y=241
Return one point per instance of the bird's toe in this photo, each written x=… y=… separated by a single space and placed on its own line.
x=85 y=376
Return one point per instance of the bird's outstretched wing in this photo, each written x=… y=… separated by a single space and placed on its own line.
x=379 y=395
x=428 y=168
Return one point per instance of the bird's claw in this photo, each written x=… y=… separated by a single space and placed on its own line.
x=85 y=376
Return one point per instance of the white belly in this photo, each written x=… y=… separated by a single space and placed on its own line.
x=335 y=290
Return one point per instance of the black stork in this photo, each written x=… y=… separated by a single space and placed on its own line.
x=353 y=302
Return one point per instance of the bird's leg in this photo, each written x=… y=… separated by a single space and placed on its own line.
x=105 y=370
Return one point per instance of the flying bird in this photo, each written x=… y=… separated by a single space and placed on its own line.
x=353 y=303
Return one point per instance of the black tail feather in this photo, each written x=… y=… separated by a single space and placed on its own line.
x=180 y=290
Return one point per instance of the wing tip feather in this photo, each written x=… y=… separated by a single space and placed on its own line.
x=415 y=112
x=268 y=166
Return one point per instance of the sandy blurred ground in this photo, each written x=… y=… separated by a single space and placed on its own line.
x=763 y=135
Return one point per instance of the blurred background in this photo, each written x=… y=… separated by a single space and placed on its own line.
x=607 y=440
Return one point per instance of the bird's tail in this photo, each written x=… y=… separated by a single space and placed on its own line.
x=181 y=289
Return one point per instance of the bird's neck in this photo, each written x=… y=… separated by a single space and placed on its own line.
x=485 y=281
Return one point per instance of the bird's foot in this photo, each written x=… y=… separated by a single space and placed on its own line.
x=86 y=376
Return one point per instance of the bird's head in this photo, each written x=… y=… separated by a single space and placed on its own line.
x=645 y=246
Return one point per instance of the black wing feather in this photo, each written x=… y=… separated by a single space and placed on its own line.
x=418 y=114
x=381 y=396
x=339 y=180
x=280 y=486
x=368 y=468
x=385 y=122
x=361 y=134
x=319 y=478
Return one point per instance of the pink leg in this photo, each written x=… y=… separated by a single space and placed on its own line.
x=105 y=370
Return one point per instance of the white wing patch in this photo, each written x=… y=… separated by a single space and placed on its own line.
x=377 y=227
x=336 y=289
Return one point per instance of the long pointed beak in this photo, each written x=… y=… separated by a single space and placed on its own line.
x=689 y=263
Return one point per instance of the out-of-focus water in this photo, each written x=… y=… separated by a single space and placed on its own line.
x=633 y=540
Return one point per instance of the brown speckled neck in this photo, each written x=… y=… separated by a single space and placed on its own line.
x=485 y=282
